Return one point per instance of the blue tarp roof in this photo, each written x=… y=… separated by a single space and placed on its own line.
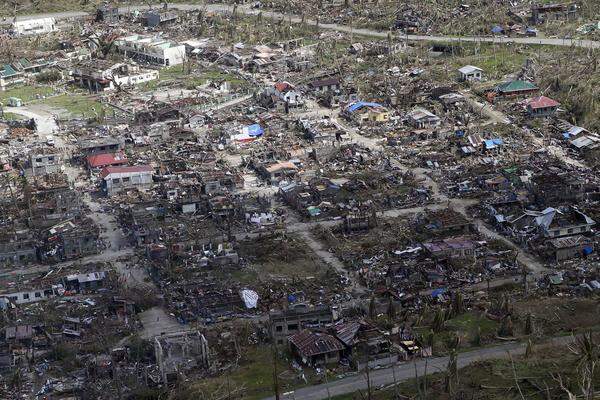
x=497 y=29
x=360 y=104
x=493 y=143
x=254 y=130
x=438 y=292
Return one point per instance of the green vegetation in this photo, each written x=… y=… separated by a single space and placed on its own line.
x=13 y=117
x=547 y=373
x=48 y=77
x=192 y=79
x=470 y=325
x=76 y=104
x=26 y=93
x=251 y=380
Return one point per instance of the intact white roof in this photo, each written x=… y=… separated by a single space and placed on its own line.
x=469 y=69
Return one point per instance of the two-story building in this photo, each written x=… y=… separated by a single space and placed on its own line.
x=151 y=50
x=117 y=179
x=298 y=317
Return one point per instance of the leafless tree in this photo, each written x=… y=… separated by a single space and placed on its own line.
x=587 y=353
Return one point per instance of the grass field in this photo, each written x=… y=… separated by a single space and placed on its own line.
x=13 y=117
x=535 y=377
x=75 y=104
x=26 y=93
x=251 y=380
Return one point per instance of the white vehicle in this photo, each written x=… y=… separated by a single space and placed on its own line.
x=50 y=140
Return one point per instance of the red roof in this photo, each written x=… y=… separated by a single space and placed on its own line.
x=542 y=102
x=106 y=159
x=125 y=170
x=283 y=86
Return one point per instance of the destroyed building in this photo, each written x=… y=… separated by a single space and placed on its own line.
x=177 y=353
x=296 y=318
x=99 y=75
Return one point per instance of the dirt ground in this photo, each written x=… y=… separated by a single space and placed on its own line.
x=557 y=315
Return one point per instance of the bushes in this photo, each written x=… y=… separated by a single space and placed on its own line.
x=48 y=77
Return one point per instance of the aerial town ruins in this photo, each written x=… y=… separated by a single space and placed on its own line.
x=231 y=202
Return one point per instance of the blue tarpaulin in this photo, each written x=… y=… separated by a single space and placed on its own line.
x=587 y=250
x=493 y=143
x=360 y=104
x=438 y=292
x=459 y=133
x=253 y=130
x=497 y=29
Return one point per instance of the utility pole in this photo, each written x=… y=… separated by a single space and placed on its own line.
x=394 y=375
x=228 y=383
x=368 y=373
x=275 y=374
x=327 y=385
x=525 y=284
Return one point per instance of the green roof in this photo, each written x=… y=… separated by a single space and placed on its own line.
x=516 y=86
x=7 y=71
x=25 y=62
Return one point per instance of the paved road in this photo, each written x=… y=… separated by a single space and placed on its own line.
x=46 y=125
x=406 y=371
x=340 y=28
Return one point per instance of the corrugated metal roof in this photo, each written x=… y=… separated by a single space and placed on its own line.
x=347 y=332
x=516 y=86
x=104 y=159
x=542 y=102
x=314 y=343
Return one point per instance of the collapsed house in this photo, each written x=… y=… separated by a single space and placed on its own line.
x=178 y=353
x=102 y=75
x=316 y=348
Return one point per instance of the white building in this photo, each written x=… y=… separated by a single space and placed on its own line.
x=470 y=73
x=30 y=296
x=34 y=27
x=152 y=50
x=117 y=179
x=97 y=77
x=287 y=93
